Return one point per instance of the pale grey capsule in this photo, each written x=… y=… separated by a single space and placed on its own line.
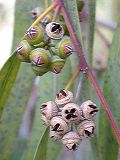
x=63 y=97
x=86 y=128
x=54 y=30
x=89 y=109
x=49 y=109
x=71 y=140
x=59 y=125
x=71 y=112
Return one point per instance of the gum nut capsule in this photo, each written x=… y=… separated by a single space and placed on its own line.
x=86 y=128
x=54 y=30
x=23 y=51
x=45 y=120
x=39 y=71
x=89 y=109
x=47 y=19
x=71 y=140
x=34 y=35
x=49 y=109
x=55 y=135
x=36 y=12
x=64 y=47
x=57 y=64
x=59 y=125
x=40 y=57
x=71 y=112
x=63 y=97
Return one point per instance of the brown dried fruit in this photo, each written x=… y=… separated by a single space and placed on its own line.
x=63 y=97
x=49 y=109
x=54 y=30
x=71 y=112
x=45 y=120
x=59 y=125
x=71 y=140
x=86 y=128
x=89 y=109
x=55 y=135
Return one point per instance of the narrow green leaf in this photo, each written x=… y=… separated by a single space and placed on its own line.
x=7 y=77
x=91 y=27
x=41 y=150
x=108 y=147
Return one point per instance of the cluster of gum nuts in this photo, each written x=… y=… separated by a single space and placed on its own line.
x=69 y=122
x=45 y=46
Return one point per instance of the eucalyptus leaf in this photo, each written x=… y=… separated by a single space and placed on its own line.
x=107 y=140
x=91 y=28
x=7 y=78
x=41 y=150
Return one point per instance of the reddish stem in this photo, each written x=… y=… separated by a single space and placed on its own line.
x=84 y=67
x=57 y=12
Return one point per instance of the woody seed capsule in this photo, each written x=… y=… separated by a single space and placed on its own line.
x=59 y=125
x=86 y=128
x=63 y=97
x=54 y=30
x=89 y=109
x=71 y=113
x=71 y=140
x=49 y=109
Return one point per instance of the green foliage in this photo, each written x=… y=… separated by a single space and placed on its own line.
x=108 y=146
x=7 y=77
x=42 y=147
x=91 y=27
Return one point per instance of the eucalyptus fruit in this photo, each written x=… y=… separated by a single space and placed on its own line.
x=34 y=35
x=57 y=64
x=65 y=119
x=40 y=60
x=64 y=48
x=54 y=30
x=23 y=51
x=63 y=97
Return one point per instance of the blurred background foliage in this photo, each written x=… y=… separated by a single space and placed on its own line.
x=21 y=130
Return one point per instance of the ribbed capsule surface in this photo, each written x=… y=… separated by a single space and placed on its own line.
x=34 y=35
x=59 y=125
x=57 y=64
x=23 y=51
x=63 y=97
x=86 y=128
x=49 y=109
x=54 y=30
x=71 y=113
x=89 y=109
x=71 y=140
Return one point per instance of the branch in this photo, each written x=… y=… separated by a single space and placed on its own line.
x=84 y=67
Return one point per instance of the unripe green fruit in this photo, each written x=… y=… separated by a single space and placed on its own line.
x=47 y=19
x=64 y=47
x=23 y=51
x=80 y=5
x=57 y=64
x=39 y=71
x=34 y=35
x=40 y=57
